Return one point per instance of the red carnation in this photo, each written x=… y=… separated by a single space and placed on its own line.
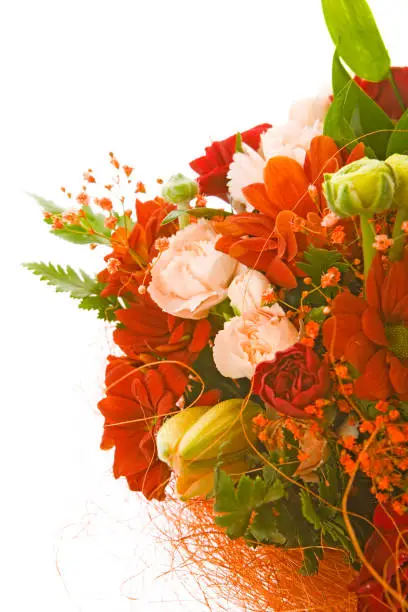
x=383 y=94
x=292 y=381
x=387 y=552
x=214 y=165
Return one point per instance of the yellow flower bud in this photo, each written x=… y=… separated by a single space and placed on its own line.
x=399 y=165
x=172 y=431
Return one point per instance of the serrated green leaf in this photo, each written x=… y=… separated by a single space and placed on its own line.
x=398 y=142
x=308 y=509
x=355 y=34
x=317 y=262
x=234 y=505
x=77 y=284
x=198 y=213
x=47 y=205
x=310 y=565
x=264 y=528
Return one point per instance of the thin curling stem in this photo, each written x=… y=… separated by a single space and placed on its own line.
x=368 y=237
x=398 y=235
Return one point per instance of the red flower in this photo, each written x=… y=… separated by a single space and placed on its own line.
x=149 y=334
x=383 y=94
x=289 y=218
x=134 y=250
x=387 y=552
x=372 y=334
x=142 y=398
x=292 y=381
x=214 y=165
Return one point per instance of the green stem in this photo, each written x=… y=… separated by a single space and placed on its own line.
x=368 y=237
x=398 y=235
x=183 y=219
x=396 y=90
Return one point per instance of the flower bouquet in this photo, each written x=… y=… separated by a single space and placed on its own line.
x=260 y=315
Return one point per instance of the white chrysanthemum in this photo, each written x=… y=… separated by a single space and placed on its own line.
x=246 y=168
x=290 y=140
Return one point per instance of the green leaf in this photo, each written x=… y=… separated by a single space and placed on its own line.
x=308 y=509
x=234 y=505
x=264 y=528
x=238 y=143
x=398 y=142
x=198 y=213
x=317 y=262
x=354 y=115
x=356 y=37
x=311 y=557
x=79 y=285
x=47 y=205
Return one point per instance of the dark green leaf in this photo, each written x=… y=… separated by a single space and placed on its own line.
x=264 y=529
x=398 y=142
x=234 y=505
x=105 y=307
x=198 y=213
x=354 y=115
x=310 y=565
x=308 y=509
x=355 y=34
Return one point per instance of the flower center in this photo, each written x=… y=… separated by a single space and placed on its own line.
x=397 y=336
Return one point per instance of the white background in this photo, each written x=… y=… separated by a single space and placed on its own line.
x=152 y=81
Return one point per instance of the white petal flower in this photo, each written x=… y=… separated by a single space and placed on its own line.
x=245 y=169
x=310 y=110
x=247 y=289
x=291 y=140
x=254 y=337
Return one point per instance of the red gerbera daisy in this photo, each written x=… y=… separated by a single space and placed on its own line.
x=372 y=333
x=149 y=334
x=134 y=408
x=289 y=214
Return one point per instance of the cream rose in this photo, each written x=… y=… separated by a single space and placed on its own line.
x=190 y=276
x=246 y=290
x=252 y=338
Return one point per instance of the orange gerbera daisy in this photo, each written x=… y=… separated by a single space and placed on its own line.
x=149 y=334
x=290 y=205
x=134 y=407
x=372 y=333
x=132 y=251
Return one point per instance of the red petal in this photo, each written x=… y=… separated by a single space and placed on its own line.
x=258 y=198
x=375 y=382
x=323 y=156
x=398 y=374
x=280 y=274
x=201 y=336
x=287 y=186
x=176 y=379
x=359 y=350
x=347 y=303
x=357 y=153
x=337 y=331
x=373 y=326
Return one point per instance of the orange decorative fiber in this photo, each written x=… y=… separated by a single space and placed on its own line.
x=258 y=579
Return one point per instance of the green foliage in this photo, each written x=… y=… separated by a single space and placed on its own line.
x=356 y=37
x=308 y=509
x=205 y=367
x=238 y=143
x=234 y=505
x=355 y=116
x=198 y=213
x=264 y=528
x=317 y=262
x=79 y=285
x=47 y=205
x=398 y=142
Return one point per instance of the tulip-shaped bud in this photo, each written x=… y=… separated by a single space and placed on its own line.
x=399 y=165
x=179 y=189
x=196 y=439
x=364 y=187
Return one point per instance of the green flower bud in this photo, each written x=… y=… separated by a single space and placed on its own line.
x=364 y=187
x=399 y=165
x=193 y=441
x=179 y=189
